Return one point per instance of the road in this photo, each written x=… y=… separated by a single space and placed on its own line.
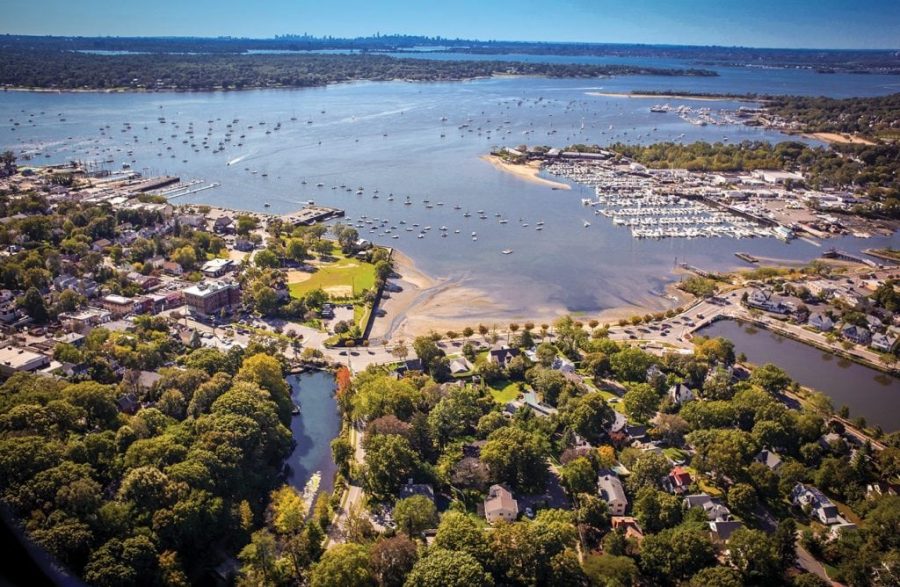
x=354 y=494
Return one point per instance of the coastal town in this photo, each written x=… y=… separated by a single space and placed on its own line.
x=400 y=310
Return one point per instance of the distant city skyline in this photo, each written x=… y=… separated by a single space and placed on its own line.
x=820 y=24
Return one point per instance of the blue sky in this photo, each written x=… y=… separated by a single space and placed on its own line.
x=756 y=23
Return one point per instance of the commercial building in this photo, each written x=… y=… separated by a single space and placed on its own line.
x=14 y=359
x=212 y=296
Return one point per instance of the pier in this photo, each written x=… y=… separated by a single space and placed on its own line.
x=311 y=215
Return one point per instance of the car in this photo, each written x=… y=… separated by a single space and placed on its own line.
x=631 y=336
x=529 y=513
x=343 y=353
x=354 y=353
x=701 y=316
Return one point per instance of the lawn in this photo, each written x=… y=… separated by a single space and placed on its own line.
x=345 y=278
x=504 y=391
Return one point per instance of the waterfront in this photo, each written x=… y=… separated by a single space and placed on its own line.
x=867 y=392
x=313 y=430
x=392 y=137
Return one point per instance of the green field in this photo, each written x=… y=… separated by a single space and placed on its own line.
x=504 y=392
x=345 y=278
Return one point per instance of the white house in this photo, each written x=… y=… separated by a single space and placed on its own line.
x=821 y=322
x=820 y=506
x=680 y=394
x=500 y=505
x=611 y=491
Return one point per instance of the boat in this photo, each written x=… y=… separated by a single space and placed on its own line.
x=586 y=223
x=267 y=204
x=295 y=409
x=507 y=251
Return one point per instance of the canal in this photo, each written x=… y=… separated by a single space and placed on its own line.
x=313 y=429
x=868 y=393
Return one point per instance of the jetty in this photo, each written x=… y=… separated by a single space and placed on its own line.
x=310 y=215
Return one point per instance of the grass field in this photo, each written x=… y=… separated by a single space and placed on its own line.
x=504 y=391
x=345 y=278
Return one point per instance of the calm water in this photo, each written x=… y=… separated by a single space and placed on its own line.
x=391 y=137
x=868 y=393
x=313 y=430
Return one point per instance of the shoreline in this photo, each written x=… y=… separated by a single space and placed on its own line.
x=639 y=96
x=833 y=138
x=428 y=304
x=528 y=172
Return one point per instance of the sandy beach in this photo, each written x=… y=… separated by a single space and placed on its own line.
x=672 y=97
x=528 y=172
x=426 y=304
x=833 y=137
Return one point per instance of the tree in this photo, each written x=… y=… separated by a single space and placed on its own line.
x=656 y=510
x=428 y=352
x=460 y=532
x=771 y=378
x=631 y=364
x=726 y=452
x=390 y=461
x=415 y=514
x=266 y=259
x=648 y=470
x=265 y=371
x=391 y=560
x=607 y=569
x=546 y=354
x=742 y=499
x=641 y=402
x=751 y=552
x=517 y=457
x=717 y=577
x=344 y=565
x=676 y=553
x=578 y=476
x=589 y=416
x=33 y=305
x=447 y=568
x=455 y=415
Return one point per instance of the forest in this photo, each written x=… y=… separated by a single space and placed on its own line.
x=877 y=116
x=32 y=67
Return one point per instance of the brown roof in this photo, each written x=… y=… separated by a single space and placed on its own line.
x=499 y=498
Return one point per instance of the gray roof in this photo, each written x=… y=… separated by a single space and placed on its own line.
x=610 y=488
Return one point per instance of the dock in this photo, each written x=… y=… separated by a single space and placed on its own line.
x=845 y=256
x=310 y=215
x=746 y=257
x=154 y=183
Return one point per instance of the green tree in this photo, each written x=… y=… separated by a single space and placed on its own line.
x=771 y=378
x=344 y=565
x=390 y=461
x=656 y=510
x=742 y=499
x=516 y=457
x=447 y=568
x=607 y=569
x=415 y=514
x=641 y=402
x=676 y=553
x=752 y=553
x=459 y=532
x=717 y=577
x=33 y=305
x=578 y=476
x=266 y=259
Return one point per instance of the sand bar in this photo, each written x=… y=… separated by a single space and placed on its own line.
x=529 y=172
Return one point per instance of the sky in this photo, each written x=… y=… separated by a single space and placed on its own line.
x=839 y=24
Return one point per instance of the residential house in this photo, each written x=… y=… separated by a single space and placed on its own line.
x=459 y=366
x=678 y=481
x=856 y=334
x=721 y=530
x=759 y=300
x=500 y=505
x=629 y=526
x=145 y=282
x=83 y=321
x=611 y=491
x=563 y=365
x=714 y=510
x=680 y=394
x=410 y=489
x=223 y=225
x=172 y=268
x=807 y=496
x=821 y=322
x=883 y=342
x=502 y=355
x=769 y=459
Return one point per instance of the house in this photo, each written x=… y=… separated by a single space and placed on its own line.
x=856 y=334
x=721 y=530
x=83 y=321
x=820 y=506
x=820 y=288
x=678 y=481
x=821 y=322
x=629 y=526
x=680 y=393
x=757 y=299
x=410 y=365
x=172 y=268
x=459 y=366
x=211 y=296
x=611 y=491
x=715 y=511
x=410 y=489
x=14 y=359
x=563 y=365
x=128 y=403
x=500 y=505
x=217 y=267
x=145 y=282
x=502 y=355
x=883 y=342
x=223 y=225
x=769 y=459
